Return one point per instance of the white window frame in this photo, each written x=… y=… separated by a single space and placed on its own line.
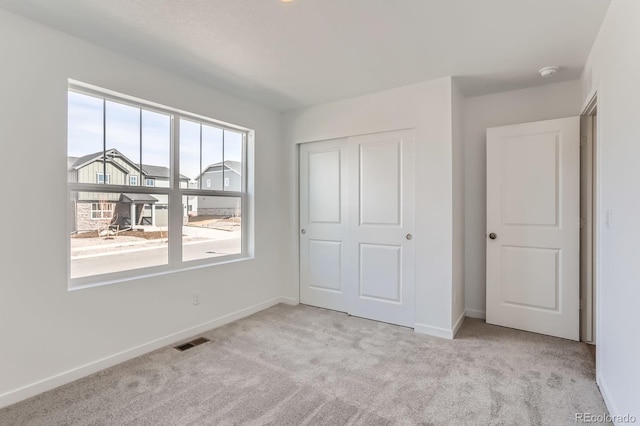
x=102 y=208
x=175 y=194
x=132 y=178
x=152 y=180
x=102 y=175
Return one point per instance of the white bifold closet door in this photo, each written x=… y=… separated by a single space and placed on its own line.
x=357 y=220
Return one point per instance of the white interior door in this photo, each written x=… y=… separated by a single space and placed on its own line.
x=323 y=217
x=356 y=220
x=533 y=227
x=381 y=260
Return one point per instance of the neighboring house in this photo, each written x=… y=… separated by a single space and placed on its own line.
x=98 y=210
x=225 y=176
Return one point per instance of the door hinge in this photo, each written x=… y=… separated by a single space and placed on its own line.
x=583 y=222
x=582 y=304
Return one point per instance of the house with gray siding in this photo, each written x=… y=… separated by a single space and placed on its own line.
x=221 y=176
x=93 y=211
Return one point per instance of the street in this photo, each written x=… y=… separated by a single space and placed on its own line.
x=150 y=255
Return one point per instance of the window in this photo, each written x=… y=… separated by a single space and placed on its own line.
x=100 y=178
x=112 y=141
x=101 y=210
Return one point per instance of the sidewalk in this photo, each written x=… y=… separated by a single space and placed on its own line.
x=87 y=247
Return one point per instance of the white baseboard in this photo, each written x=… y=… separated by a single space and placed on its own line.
x=438 y=331
x=473 y=313
x=433 y=331
x=68 y=376
x=458 y=324
x=289 y=301
x=604 y=391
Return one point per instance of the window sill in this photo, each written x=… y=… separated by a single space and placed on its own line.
x=81 y=284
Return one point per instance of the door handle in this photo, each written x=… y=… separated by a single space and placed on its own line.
x=493 y=236
x=303 y=231
x=409 y=237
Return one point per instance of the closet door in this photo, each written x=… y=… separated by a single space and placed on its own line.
x=380 y=265
x=356 y=225
x=323 y=229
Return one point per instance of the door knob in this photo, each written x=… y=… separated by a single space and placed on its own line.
x=409 y=237
x=303 y=232
x=493 y=236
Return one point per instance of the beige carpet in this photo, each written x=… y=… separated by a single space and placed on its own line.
x=303 y=365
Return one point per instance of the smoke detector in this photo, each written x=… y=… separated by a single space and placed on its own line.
x=548 y=71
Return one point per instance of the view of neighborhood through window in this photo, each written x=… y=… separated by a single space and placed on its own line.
x=117 y=144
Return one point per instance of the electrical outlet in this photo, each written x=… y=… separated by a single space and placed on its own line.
x=196 y=298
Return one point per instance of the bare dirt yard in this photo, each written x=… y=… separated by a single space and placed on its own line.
x=92 y=239
x=90 y=242
x=223 y=223
x=147 y=235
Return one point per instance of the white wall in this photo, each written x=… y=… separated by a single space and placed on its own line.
x=48 y=331
x=519 y=106
x=458 y=282
x=425 y=107
x=614 y=68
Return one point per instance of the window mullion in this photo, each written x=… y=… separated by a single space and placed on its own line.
x=223 y=160
x=104 y=141
x=140 y=140
x=175 y=197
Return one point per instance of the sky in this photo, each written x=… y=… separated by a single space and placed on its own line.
x=123 y=122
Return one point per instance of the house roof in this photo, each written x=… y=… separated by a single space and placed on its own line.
x=71 y=161
x=148 y=170
x=234 y=166
x=90 y=158
x=157 y=171
x=137 y=198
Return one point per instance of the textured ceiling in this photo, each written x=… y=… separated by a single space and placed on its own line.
x=307 y=52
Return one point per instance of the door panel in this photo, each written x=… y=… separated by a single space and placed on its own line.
x=533 y=208
x=531 y=181
x=323 y=224
x=532 y=274
x=380 y=183
x=380 y=272
x=324 y=186
x=325 y=265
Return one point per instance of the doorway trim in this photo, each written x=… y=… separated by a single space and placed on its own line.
x=593 y=107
